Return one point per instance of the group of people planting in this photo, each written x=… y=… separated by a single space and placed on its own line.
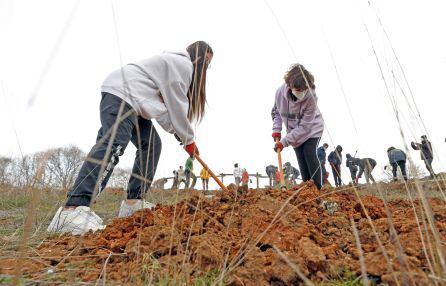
x=397 y=159
x=171 y=89
x=365 y=165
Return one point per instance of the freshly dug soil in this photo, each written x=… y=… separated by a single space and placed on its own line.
x=239 y=234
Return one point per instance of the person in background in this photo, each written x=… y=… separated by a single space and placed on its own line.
x=366 y=166
x=181 y=177
x=270 y=172
x=397 y=157
x=189 y=171
x=335 y=160
x=237 y=174
x=291 y=173
x=159 y=184
x=245 y=178
x=352 y=167
x=322 y=155
x=204 y=175
x=169 y=88
x=175 y=180
x=427 y=155
x=296 y=107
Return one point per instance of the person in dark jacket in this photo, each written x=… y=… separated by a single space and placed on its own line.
x=335 y=160
x=352 y=167
x=271 y=172
x=291 y=173
x=322 y=155
x=426 y=153
x=397 y=158
x=366 y=166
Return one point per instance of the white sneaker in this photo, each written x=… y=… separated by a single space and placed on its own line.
x=77 y=221
x=127 y=210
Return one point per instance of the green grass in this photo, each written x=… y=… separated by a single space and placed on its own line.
x=208 y=279
x=348 y=278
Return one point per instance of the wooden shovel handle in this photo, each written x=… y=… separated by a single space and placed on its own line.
x=279 y=157
x=217 y=180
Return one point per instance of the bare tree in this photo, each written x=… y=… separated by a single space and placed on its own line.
x=416 y=171
x=23 y=171
x=29 y=171
x=5 y=170
x=64 y=164
x=120 y=178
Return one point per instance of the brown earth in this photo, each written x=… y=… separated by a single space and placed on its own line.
x=240 y=232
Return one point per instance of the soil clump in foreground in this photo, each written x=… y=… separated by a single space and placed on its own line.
x=239 y=235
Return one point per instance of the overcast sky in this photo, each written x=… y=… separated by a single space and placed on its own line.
x=59 y=52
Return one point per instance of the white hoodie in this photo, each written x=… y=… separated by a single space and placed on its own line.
x=237 y=172
x=157 y=89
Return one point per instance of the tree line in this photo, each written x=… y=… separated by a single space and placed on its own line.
x=52 y=168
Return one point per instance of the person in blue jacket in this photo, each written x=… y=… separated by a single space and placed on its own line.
x=397 y=158
x=322 y=155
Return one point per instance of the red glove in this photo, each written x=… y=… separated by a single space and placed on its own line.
x=192 y=149
x=276 y=135
x=278 y=147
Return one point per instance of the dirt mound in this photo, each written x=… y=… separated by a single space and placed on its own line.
x=238 y=234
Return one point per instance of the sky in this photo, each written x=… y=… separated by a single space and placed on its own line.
x=54 y=56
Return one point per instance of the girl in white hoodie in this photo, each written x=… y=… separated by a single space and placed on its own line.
x=170 y=88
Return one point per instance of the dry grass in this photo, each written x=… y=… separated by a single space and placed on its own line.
x=14 y=205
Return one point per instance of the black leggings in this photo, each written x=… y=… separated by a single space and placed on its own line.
x=309 y=164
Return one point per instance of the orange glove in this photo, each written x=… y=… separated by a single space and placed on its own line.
x=278 y=147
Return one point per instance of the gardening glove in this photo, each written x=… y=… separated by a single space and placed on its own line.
x=192 y=149
x=276 y=135
x=178 y=139
x=278 y=146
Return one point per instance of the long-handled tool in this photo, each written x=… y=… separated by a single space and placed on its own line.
x=282 y=178
x=217 y=180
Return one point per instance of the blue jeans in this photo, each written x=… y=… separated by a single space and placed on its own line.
x=136 y=129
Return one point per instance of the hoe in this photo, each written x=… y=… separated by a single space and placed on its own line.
x=217 y=180
x=282 y=178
